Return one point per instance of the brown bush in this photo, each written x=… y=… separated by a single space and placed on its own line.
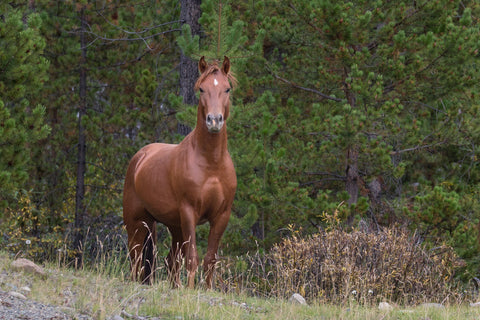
x=389 y=265
x=337 y=266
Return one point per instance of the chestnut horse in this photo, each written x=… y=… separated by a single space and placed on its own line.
x=184 y=185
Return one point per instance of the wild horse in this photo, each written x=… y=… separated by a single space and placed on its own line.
x=184 y=185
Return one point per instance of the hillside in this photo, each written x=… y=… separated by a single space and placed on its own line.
x=84 y=294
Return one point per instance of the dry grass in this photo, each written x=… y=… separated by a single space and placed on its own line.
x=325 y=268
x=336 y=267
x=101 y=296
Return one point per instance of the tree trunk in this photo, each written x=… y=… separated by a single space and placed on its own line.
x=351 y=183
x=81 y=166
x=351 y=168
x=189 y=14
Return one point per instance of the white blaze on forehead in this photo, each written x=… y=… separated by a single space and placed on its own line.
x=215 y=82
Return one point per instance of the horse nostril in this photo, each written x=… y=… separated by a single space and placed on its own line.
x=214 y=122
x=209 y=118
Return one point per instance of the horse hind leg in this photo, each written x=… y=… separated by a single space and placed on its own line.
x=135 y=248
x=141 y=243
x=174 y=258
x=149 y=255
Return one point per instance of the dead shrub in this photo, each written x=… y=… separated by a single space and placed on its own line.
x=337 y=266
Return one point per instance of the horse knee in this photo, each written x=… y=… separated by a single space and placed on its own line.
x=209 y=261
x=192 y=262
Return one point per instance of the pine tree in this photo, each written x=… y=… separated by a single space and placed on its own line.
x=23 y=72
x=225 y=35
x=122 y=41
x=378 y=88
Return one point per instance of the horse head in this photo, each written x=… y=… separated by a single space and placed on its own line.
x=214 y=86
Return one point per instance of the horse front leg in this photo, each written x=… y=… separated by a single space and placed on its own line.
x=217 y=228
x=189 y=222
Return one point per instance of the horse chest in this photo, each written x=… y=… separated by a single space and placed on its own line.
x=212 y=196
x=207 y=194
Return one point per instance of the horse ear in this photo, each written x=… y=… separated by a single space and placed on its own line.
x=226 y=65
x=202 y=65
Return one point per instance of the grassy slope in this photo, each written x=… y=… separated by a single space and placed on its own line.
x=101 y=295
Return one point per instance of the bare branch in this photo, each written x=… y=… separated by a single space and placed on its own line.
x=323 y=173
x=144 y=39
x=128 y=32
x=308 y=89
x=138 y=32
x=425 y=105
x=417 y=148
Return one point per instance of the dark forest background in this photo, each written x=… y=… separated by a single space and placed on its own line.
x=352 y=115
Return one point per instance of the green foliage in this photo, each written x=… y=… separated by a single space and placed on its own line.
x=268 y=197
x=188 y=43
x=443 y=215
x=29 y=231
x=378 y=89
x=23 y=72
x=224 y=35
x=125 y=106
x=344 y=114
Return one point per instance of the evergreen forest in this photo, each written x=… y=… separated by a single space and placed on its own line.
x=348 y=115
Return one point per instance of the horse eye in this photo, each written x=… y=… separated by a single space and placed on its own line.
x=201 y=90
x=227 y=91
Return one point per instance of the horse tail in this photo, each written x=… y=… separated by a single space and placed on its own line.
x=149 y=249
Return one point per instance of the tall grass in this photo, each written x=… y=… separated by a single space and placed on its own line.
x=330 y=267
x=335 y=271
x=99 y=296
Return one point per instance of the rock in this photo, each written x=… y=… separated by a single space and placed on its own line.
x=475 y=304
x=17 y=295
x=432 y=305
x=298 y=299
x=406 y=311
x=26 y=289
x=240 y=305
x=117 y=317
x=28 y=266
x=385 y=306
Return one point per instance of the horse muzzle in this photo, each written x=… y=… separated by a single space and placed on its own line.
x=214 y=122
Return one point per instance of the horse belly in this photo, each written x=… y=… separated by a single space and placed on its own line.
x=161 y=204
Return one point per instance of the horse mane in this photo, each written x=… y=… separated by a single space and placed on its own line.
x=213 y=68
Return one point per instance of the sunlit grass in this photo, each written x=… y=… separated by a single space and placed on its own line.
x=104 y=292
x=101 y=289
